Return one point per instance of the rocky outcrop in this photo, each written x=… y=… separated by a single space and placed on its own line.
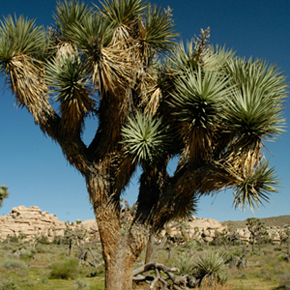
x=30 y=222
x=194 y=229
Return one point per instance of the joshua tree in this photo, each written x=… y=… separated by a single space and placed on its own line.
x=287 y=234
x=257 y=229
x=153 y=99
x=3 y=193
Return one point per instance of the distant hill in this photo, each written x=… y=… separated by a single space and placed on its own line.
x=269 y=222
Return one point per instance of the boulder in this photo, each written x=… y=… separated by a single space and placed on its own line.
x=31 y=221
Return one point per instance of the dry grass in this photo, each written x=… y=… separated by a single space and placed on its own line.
x=267 y=270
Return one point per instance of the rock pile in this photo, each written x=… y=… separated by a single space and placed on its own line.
x=194 y=229
x=274 y=233
x=31 y=222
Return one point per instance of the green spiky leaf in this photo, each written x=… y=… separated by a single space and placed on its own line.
x=255 y=187
x=145 y=138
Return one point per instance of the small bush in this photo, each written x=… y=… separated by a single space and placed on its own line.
x=184 y=263
x=191 y=244
x=67 y=269
x=8 y=284
x=230 y=255
x=211 y=266
x=44 y=241
x=13 y=264
x=284 y=281
x=44 y=280
x=12 y=239
x=28 y=255
x=81 y=284
x=213 y=283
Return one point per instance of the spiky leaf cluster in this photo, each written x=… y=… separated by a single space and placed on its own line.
x=145 y=139
x=253 y=189
x=67 y=77
x=210 y=265
x=255 y=110
x=3 y=193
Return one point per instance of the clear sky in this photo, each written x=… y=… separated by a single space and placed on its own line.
x=37 y=173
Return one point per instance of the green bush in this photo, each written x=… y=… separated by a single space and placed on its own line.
x=229 y=255
x=44 y=241
x=81 y=284
x=12 y=239
x=211 y=265
x=284 y=281
x=8 y=284
x=66 y=269
x=184 y=262
x=13 y=264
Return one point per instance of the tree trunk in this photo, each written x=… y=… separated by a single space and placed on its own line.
x=120 y=250
x=120 y=259
x=253 y=245
x=119 y=272
x=69 y=247
x=149 y=248
x=120 y=247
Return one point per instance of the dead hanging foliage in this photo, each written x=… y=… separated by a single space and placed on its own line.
x=153 y=101
x=74 y=111
x=65 y=50
x=243 y=159
x=113 y=71
x=26 y=80
x=114 y=65
x=121 y=37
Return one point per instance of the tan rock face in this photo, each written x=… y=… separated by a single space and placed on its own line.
x=32 y=221
x=195 y=228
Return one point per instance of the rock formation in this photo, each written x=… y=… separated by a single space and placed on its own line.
x=31 y=222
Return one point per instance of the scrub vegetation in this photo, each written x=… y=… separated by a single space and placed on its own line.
x=229 y=266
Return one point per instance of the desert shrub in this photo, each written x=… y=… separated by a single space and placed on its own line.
x=44 y=240
x=213 y=283
x=184 y=262
x=44 y=280
x=284 y=281
x=8 y=284
x=229 y=255
x=66 y=269
x=80 y=284
x=12 y=239
x=211 y=266
x=58 y=240
x=27 y=255
x=13 y=264
x=22 y=236
x=41 y=249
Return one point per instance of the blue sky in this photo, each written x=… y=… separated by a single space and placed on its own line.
x=37 y=173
